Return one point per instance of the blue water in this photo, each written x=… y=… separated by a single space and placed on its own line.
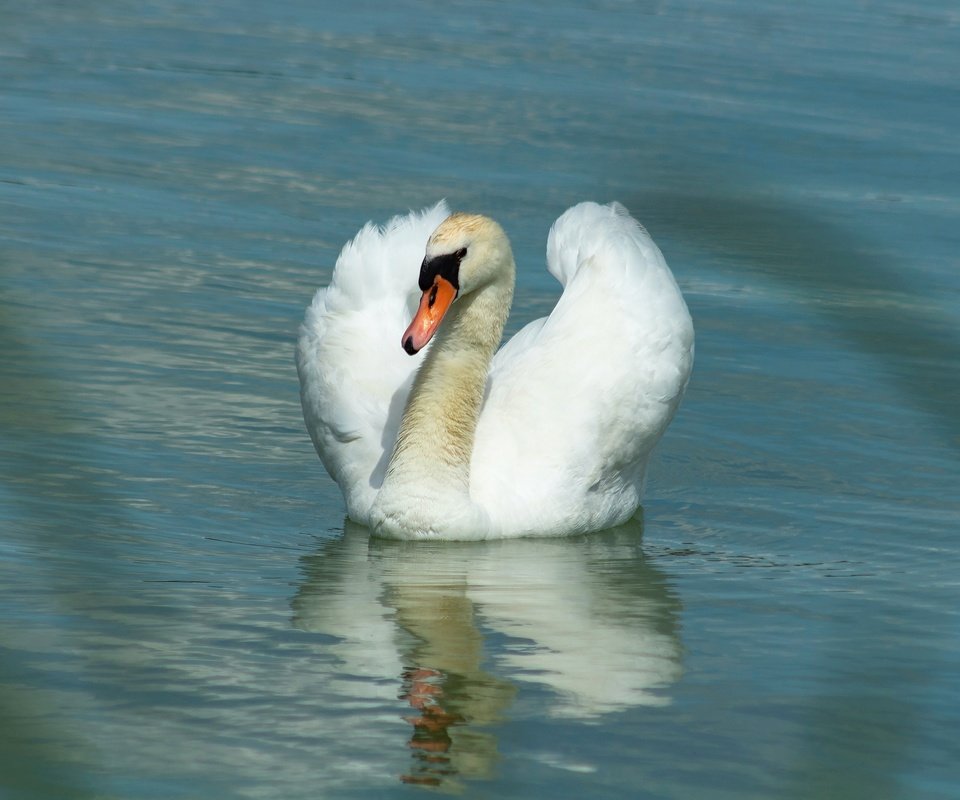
x=186 y=613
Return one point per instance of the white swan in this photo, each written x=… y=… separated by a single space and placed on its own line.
x=549 y=436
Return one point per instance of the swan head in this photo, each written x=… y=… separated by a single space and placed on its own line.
x=466 y=253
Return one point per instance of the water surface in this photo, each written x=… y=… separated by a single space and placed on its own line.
x=186 y=612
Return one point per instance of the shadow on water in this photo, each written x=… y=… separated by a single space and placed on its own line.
x=858 y=733
x=876 y=306
x=54 y=502
x=459 y=629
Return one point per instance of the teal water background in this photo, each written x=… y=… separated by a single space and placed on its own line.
x=185 y=613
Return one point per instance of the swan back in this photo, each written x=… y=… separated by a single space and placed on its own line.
x=576 y=401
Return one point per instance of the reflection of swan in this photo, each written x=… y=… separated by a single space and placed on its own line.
x=551 y=435
x=456 y=630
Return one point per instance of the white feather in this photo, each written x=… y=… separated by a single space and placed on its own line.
x=574 y=402
x=354 y=375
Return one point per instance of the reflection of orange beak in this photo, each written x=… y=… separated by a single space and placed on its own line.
x=433 y=305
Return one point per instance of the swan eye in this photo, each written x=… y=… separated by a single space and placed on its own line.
x=446 y=266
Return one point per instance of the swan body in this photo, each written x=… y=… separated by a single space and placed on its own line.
x=430 y=432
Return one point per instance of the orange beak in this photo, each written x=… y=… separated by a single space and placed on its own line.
x=435 y=302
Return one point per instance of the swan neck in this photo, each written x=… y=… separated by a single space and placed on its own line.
x=437 y=432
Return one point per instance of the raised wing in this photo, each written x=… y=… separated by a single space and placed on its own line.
x=576 y=401
x=354 y=375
